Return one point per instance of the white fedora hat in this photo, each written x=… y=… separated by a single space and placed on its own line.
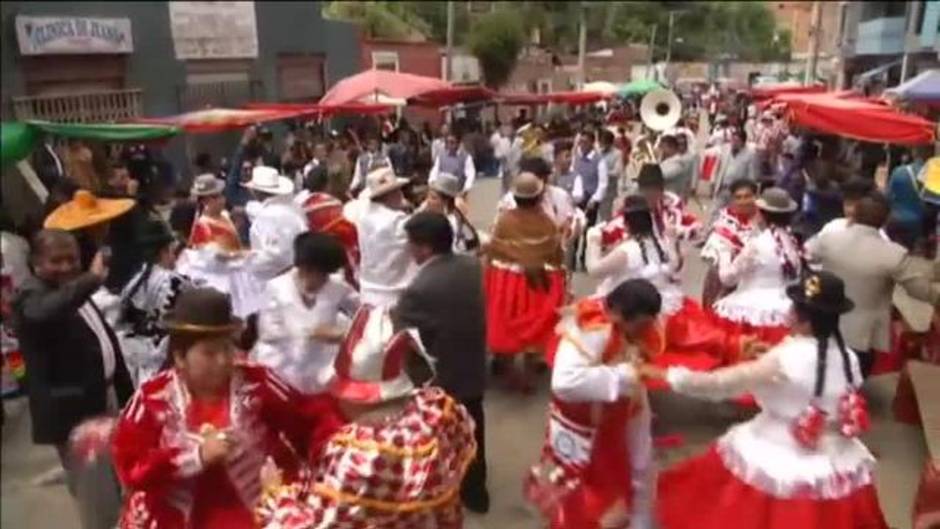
x=446 y=184
x=267 y=180
x=383 y=180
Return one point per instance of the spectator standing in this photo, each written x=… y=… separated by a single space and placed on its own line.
x=445 y=304
x=75 y=372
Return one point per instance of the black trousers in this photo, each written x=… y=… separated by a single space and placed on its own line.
x=474 y=483
x=866 y=361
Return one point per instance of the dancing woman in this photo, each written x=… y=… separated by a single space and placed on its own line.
x=689 y=336
x=760 y=274
x=799 y=462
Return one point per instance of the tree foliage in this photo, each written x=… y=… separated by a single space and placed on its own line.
x=496 y=40
x=702 y=31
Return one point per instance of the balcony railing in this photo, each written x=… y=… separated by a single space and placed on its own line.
x=87 y=107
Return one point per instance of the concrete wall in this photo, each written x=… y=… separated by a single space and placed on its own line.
x=881 y=36
x=151 y=66
x=282 y=27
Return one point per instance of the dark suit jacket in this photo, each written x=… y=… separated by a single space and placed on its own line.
x=64 y=366
x=445 y=303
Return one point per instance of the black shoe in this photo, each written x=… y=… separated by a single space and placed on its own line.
x=477 y=502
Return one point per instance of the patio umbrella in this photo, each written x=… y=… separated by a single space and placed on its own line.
x=638 y=88
x=923 y=88
x=381 y=86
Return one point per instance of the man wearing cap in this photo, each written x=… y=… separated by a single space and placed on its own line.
x=401 y=459
x=443 y=193
x=386 y=267
x=556 y=202
x=76 y=369
x=275 y=222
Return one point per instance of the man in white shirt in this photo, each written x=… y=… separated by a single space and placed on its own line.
x=374 y=156
x=456 y=161
x=591 y=179
x=674 y=167
x=437 y=145
x=737 y=161
x=501 y=142
x=298 y=327
x=613 y=159
x=275 y=221
x=386 y=267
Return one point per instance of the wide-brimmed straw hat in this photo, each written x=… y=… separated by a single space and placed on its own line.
x=202 y=310
x=267 y=180
x=527 y=185
x=823 y=292
x=370 y=365
x=207 y=185
x=381 y=181
x=85 y=209
x=776 y=200
x=446 y=184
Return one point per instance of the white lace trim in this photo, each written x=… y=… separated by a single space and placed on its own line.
x=755 y=308
x=834 y=484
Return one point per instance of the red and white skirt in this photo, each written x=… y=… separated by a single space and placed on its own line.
x=691 y=339
x=520 y=317
x=703 y=494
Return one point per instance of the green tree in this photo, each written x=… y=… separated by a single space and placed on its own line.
x=384 y=20
x=496 y=40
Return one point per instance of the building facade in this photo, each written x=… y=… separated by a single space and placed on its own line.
x=113 y=61
x=875 y=37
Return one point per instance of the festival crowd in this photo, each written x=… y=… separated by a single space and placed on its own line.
x=302 y=337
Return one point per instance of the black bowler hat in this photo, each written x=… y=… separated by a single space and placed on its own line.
x=202 y=310
x=823 y=292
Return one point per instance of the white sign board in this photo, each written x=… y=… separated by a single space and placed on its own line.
x=214 y=30
x=62 y=35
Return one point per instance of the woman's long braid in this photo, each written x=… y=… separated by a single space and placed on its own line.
x=846 y=362
x=824 y=327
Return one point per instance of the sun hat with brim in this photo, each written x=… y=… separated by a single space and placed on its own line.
x=527 y=185
x=85 y=209
x=382 y=180
x=823 y=292
x=370 y=365
x=776 y=200
x=268 y=180
x=207 y=185
x=446 y=184
x=202 y=311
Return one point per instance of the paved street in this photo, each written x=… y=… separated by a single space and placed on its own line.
x=514 y=436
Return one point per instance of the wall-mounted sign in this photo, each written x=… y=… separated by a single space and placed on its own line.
x=214 y=30
x=60 y=35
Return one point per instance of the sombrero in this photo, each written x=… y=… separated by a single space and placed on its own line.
x=85 y=209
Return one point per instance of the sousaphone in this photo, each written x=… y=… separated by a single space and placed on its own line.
x=660 y=109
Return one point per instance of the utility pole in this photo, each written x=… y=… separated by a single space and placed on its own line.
x=672 y=19
x=910 y=36
x=809 y=76
x=582 y=42
x=649 y=65
x=448 y=72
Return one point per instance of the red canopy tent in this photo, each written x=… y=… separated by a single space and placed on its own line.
x=221 y=119
x=373 y=84
x=571 y=98
x=772 y=90
x=858 y=119
x=316 y=109
x=453 y=95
